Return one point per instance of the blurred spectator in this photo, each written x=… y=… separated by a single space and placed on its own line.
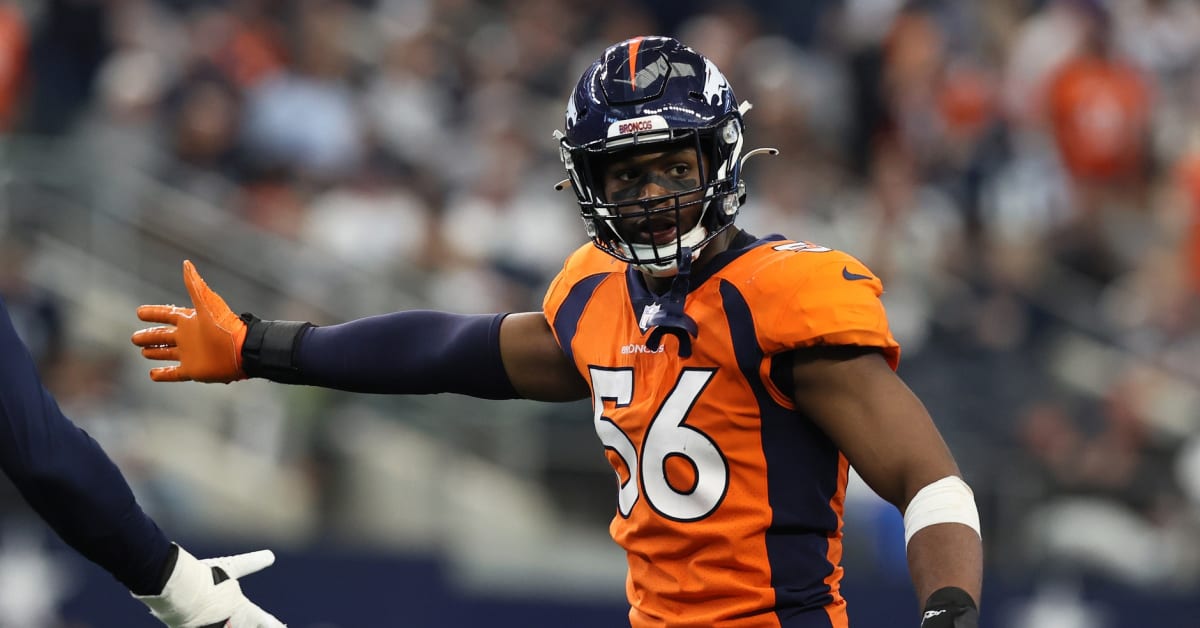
x=69 y=44
x=1108 y=474
x=863 y=26
x=14 y=43
x=37 y=314
x=201 y=132
x=305 y=119
x=725 y=31
x=914 y=55
x=254 y=45
x=541 y=53
x=1161 y=36
x=1186 y=176
x=508 y=234
x=409 y=102
x=908 y=232
x=1099 y=108
x=1040 y=44
x=272 y=199
x=375 y=220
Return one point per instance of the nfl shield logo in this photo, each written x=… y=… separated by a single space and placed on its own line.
x=648 y=316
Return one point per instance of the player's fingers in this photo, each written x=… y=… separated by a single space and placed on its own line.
x=168 y=374
x=169 y=314
x=243 y=564
x=256 y=617
x=203 y=298
x=161 y=353
x=154 y=336
x=195 y=284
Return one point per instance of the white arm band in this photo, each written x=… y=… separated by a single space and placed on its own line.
x=948 y=500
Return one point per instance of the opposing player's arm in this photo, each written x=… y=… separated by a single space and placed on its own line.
x=68 y=479
x=77 y=489
x=888 y=436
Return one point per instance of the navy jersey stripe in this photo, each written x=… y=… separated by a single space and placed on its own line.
x=802 y=472
x=566 y=321
x=809 y=618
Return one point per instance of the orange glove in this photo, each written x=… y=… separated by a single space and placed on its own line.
x=207 y=341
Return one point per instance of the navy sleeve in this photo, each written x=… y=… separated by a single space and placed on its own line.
x=414 y=353
x=67 y=477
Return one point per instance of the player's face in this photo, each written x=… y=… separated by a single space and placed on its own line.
x=654 y=177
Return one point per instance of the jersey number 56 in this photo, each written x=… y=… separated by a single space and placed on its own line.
x=668 y=437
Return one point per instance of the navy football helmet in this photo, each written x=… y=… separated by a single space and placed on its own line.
x=654 y=91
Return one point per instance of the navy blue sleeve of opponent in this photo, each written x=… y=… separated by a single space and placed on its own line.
x=67 y=477
x=414 y=353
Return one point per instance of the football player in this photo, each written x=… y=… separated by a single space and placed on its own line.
x=734 y=378
x=76 y=488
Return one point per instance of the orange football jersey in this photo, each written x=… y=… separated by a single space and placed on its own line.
x=729 y=501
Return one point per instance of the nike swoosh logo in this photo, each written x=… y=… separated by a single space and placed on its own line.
x=849 y=276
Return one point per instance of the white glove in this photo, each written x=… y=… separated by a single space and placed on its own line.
x=205 y=593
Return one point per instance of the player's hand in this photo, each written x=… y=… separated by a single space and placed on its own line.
x=205 y=339
x=206 y=593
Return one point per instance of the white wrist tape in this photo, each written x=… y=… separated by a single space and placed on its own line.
x=948 y=500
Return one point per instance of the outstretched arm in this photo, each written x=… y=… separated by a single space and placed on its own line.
x=75 y=487
x=491 y=356
x=67 y=477
x=890 y=439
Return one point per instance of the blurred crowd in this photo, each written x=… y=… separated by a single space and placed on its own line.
x=1024 y=175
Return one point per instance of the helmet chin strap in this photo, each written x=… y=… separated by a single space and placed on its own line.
x=689 y=241
x=668 y=317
